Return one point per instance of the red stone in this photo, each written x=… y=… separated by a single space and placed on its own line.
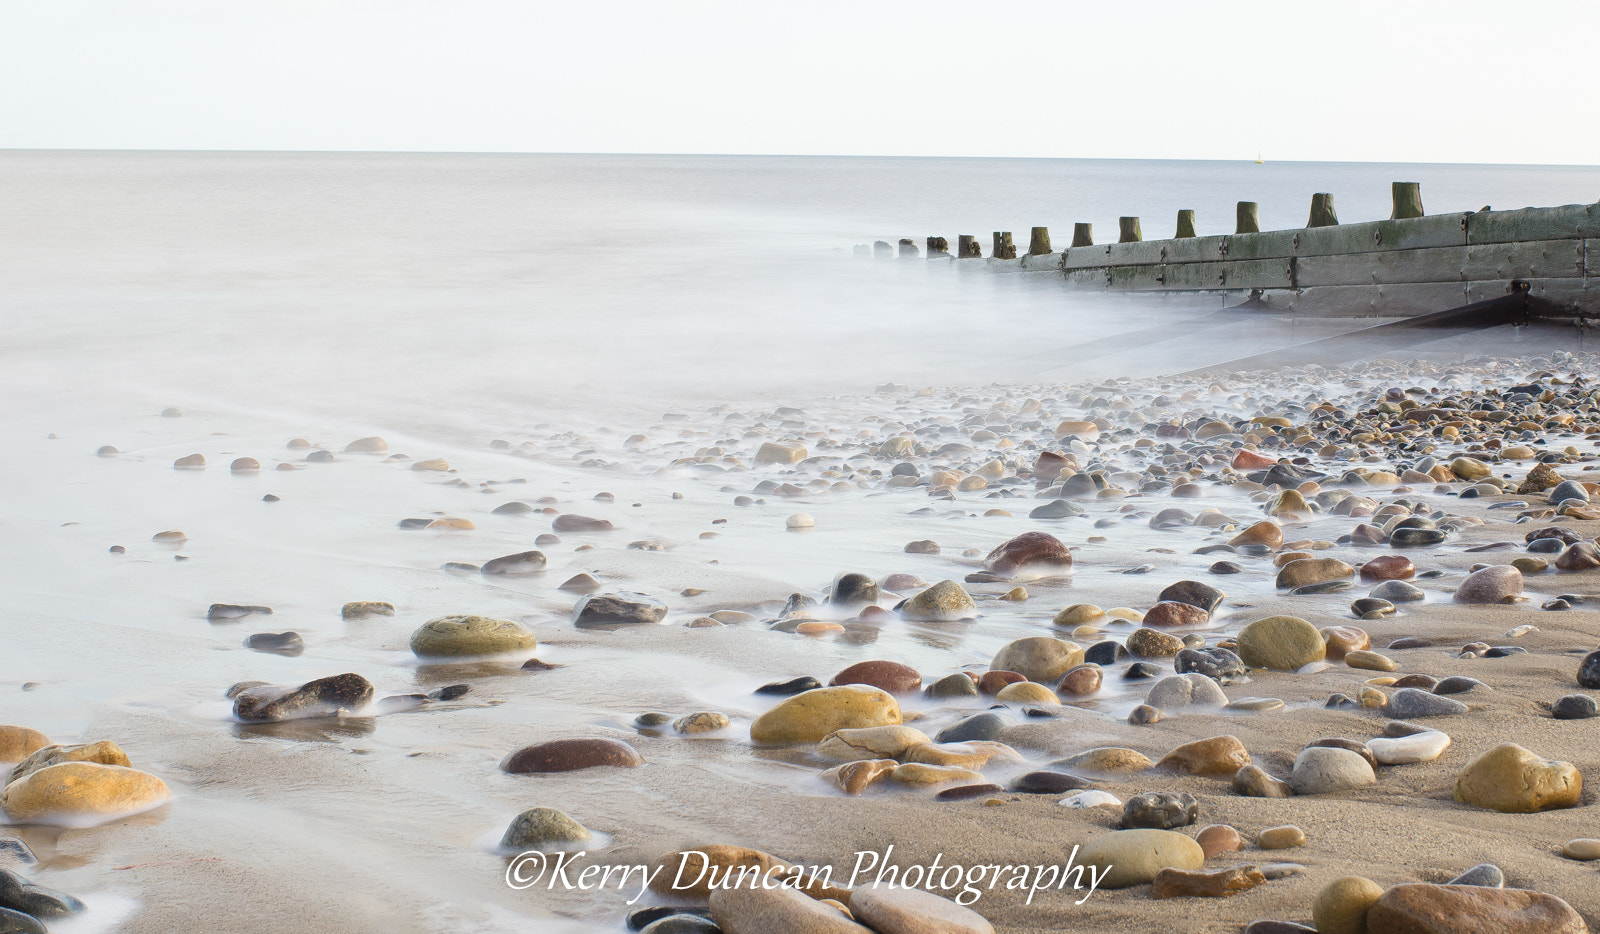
x=572 y=522
x=1251 y=460
x=566 y=755
x=1050 y=464
x=883 y=675
x=991 y=682
x=1424 y=908
x=1028 y=548
x=1172 y=613
x=1388 y=568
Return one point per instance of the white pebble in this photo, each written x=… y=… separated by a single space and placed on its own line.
x=1402 y=750
x=801 y=520
x=1520 y=631
x=1090 y=799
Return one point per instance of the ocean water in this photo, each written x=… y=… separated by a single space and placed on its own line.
x=560 y=304
x=441 y=289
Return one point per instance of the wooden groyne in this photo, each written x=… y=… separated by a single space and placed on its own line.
x=1411 y=264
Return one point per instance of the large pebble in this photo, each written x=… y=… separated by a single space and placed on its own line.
x=1588 y=672
x=1029 y=548
x=1283 y=643
x=1501 y=583
x=900 y=910
x=542 y=827
x=1320 y=770
x=1512 y=780
x=1039 y=658
x=1423 y=908
x=873 y=742
x=454 y=636
x=1217 y=755
x=623 y=608
x=1187 y=690
x=1307 y=571
x=943 y=602
x=884 y=675
x=1162 y=810
x=20 y=742
x=1403 y=750
x=333 y=696
x=808 y=717
x=1342 y=905
x=1134 y=857
x=1408 y=703
x=75 y=791
x=747 y=910
x=567 y=755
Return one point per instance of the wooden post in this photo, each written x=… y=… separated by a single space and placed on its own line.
x=863 y=250
x=1039 y=242
x=1322 y=213
x=938 y=246
x=908 y=248
x=1083 y=235
x=1129 y=230
x=1003 y=247
x=1407 y=200
x=1185 y=225
x=881 y=248
x=967 y=247
x=1248 y=222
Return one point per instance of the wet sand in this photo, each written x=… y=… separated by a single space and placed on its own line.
x=386 y=822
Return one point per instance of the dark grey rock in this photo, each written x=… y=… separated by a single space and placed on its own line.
x=1139 y=671
x=1193 y=593
x=644 y=917
x=1219 y=664
x=1485 y=875
x=278 y=643
x=852 y=589
x=333 y=696
x=1407 y=703
x=984 y=726
x=1575 y=707
x=1105 y=653
x=1225 y=567
x=1162 y=810
x=1589 y=671
x=14 y=849
x=1047 y=782
x=523 y=562
x=1398 y=592
x=18 y=894
x=1456 y=684
x=1056 y=509
x=956 y=685
x=235 y=611
x=15 y=922
x=605 y=609
x=793 y=686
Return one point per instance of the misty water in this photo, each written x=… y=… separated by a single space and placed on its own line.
x=560 y=304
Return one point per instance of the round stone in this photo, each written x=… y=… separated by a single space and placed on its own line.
x=1281 y=838
x=1388 y=568
x=1039 y=658
x=566 y=755
x=812 y=715
x=1282 y=643
x=1163 y=810
x=1134 y=857
x=538 y=828
x=1510 y=779
x=1325 y=770
x=1170 y=613
x=454 y=636
x=1500 y=583
x=1218 y=838
x=884 y=675
x=1342 y=905
x=1151 y=643
x=943 y=602
x=1584 y=848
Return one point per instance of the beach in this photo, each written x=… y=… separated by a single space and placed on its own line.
x=728 y=470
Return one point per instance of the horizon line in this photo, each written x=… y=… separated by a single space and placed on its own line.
x=747 y=155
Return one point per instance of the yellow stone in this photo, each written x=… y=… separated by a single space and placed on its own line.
x=452 y=522
x=1110 y=760
x=20 y=742
x=1512 y=780
x=1369 y=661
x=431 y=463
x=73 y=791
x=920 y=773
x=812 y=715
x=1078 y=613
x=104 y=752
x=853 y=778
x=1341 y=907
x=1027 y=692
x=873 y=742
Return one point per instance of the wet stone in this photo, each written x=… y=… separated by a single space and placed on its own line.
x=956 y=685
x=1408 y=703
x=1108 y=652
x=542 y=828
x=565 y=755
x=338 y=695
x=278 y=643
x=1048 y=782
x=526 y=562
x=1140 y=671
x=1219 y=664
x=623 y=608
x=982 y=726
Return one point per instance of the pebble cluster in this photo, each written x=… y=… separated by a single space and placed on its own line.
x=1382 y=499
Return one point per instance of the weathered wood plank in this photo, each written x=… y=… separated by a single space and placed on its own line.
x=1547 y=296
x=1435 y=230
x=1041 y=262
x=1192 y=250
x=1361 y=301
x=1537 y=259
x=1135 y=278
x=1531 y=259
x=1269 y=244
x=1086 y=257
x=1094 y=278
x=1570 y=221
x=1134 y=253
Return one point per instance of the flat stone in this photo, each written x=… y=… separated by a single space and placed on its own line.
x=1047 y=782
x=884 y=675
x=1353 y=745
x=1134 y=857
x=363 y=609
x=899 y=910
x=1469 y=909
x=79 y=791
x=566 y=755
x=797 y=685
x=1108 y=760
x=520 y=564
x=37 y=901
x=1217 y=883
x=1369 y=661
x=1285 y=837
x=456 y=636
x=1456 y=684
x=1418 y=747
x=1398 y=592
x=1308 y=571
x=1583 y=848
x=104 y=752
x=1093 y=798
x=873 y=742
x=1408 y=703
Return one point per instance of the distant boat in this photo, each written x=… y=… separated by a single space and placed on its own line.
x=1259 y=160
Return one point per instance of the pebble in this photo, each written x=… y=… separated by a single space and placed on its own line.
x=1417 y=747
x=705 y=721
x=884 y=675
x=1221 y=665
x=1339 y=641
x=1163 y=810
x=1285 y=837
x=981 y=726
x=1510 y=779
x=278 y=643
x=538 y=828
x=1583 y=848
x=812 y=715
x=1408 y=703
x=1342 y=906
x=1217 y=755
x=795 y=686
x=1252 y=781
x=455 y=636
x=1151 y=643
x=757 y=910
x=1108 y=760
x=1496 y=584
x=1575 y=707
x=362 y=609
x=1589 y=671
x=599 y=610
x=566 y=755
x=1461 y=909
x=333 y=696
x=956 y=685
x=74 y=791
x=1284 y=643
x=1484 y=874
x=903 y=910
x=1039 y=658
x=1217 y=883
x=1218 y=838
x=853 y=778
x=1324 y=770
x=1028 y=549
x=945 y=601
x=1186 y=690
x=1047 y=782
x=1134 y=857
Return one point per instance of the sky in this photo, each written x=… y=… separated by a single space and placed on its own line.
x=1320 y=80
